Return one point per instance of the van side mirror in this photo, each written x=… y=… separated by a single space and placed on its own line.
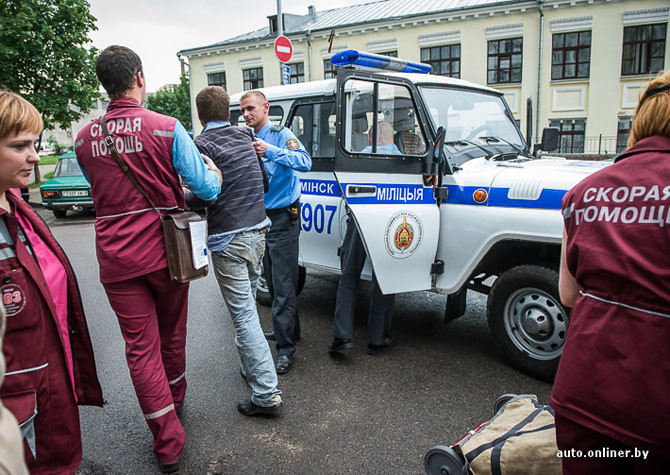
x=436 y=163
x=549 y=139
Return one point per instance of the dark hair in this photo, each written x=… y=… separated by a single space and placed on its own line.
x=116 y=68
x=213 y=103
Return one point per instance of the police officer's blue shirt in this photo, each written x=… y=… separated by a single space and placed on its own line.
x=385 y=148
x=284 y=157
x=219 y=242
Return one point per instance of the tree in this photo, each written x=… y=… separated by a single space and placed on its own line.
x=44 y=57
x=175 y=102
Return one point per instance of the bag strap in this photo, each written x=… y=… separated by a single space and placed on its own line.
x=109 y=141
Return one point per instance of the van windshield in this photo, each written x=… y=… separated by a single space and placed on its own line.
x=472 y=120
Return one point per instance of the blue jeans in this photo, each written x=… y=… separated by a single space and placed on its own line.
x=237 y=270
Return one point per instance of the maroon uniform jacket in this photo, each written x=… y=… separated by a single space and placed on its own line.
x=129 y=236
x=37 y=387
x=614 y=375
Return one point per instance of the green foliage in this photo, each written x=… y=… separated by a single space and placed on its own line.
x=44 y=56
x=175 y=103
x=49 y=160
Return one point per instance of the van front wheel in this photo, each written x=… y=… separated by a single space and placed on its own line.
x=263 y=294
x=527 y=320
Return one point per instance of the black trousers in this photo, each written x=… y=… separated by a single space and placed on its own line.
x=352 y=259
x=280 y=265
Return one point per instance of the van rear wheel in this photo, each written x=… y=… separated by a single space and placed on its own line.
x=263 y=294
x=527 y=320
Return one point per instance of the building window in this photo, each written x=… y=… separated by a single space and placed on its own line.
x=643 y=49
x=253 y=78
x=297 y=73
x=571 y=55
x=445 y=60
x=571 y=134
x=623 y=129
x=329 y=70
x=217 y=79
x=392 y=54
x=504 y=60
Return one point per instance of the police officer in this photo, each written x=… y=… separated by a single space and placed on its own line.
x=283 y=156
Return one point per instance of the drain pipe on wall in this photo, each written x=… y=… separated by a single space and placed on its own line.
x=539 y=70
x=309 y=54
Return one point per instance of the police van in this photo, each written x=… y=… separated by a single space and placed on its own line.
x=443 y=189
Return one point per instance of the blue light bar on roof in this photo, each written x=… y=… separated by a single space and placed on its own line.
x=352 y=57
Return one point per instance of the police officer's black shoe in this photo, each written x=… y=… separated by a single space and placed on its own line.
x=284 y=364
x=249 y=408
x=270 y=335
x=339 y=345
x=373 y=350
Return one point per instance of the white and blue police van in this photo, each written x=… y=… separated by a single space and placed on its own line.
x=443 y=189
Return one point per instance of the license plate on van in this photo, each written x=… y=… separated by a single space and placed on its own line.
x=75 y=193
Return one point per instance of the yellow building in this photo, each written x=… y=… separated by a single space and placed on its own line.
x=580 y=63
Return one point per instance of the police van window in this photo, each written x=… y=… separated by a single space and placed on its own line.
x=276 y=114
x=381 y=120
x=314 y=125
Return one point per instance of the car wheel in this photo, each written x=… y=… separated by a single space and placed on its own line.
x=263 y=294
x=527 y=320
x=60 y=213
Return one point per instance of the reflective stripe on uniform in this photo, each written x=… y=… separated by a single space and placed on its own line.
x=27 y=370
x=134 y=212
x=612 y=302
x=162 y=412
x=164 y=133
x=176 y=380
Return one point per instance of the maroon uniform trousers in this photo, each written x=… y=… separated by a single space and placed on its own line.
x=152 y=313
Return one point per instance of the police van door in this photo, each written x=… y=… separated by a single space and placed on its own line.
x=381 y=148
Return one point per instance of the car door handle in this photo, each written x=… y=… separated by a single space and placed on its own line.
x=359 y=190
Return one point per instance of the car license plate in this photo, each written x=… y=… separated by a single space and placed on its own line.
x=75 y=193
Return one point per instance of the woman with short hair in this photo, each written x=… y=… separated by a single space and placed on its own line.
x=50 y=365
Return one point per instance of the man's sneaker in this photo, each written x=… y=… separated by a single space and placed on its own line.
x=248 y=408
x=339 y=345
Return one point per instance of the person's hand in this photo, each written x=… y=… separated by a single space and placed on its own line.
x=260 y=146
x=212 y=166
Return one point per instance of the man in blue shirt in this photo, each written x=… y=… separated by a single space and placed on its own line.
x=236 y=238
x=283 y=156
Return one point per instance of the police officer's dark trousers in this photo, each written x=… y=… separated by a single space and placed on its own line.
x=352 y=259
x=280 y=265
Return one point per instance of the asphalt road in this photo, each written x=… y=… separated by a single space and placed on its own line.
x=358 y=414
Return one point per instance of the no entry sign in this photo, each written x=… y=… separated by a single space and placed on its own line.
x=283 y=49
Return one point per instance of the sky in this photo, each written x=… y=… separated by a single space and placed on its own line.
x=157 y=29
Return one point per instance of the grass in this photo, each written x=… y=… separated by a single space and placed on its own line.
x=49 y=160
x=45 y=177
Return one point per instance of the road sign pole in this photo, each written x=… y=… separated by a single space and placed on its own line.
x=280 y=32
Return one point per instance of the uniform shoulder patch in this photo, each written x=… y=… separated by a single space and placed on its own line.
x=293 y=144
x=277 y=128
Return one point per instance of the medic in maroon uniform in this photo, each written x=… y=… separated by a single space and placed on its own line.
x=151 y=309
x=50 y=366
x=612 y=389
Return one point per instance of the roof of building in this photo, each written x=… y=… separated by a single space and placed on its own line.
x=380 y=10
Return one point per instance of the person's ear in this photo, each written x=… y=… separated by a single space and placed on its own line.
x=139 y=79
x=266 y=107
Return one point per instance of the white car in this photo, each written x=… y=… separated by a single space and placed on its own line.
x=456 y=202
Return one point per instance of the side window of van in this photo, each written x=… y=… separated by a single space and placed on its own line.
x=276 y=115
x=314 y=125
x=385 y=112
